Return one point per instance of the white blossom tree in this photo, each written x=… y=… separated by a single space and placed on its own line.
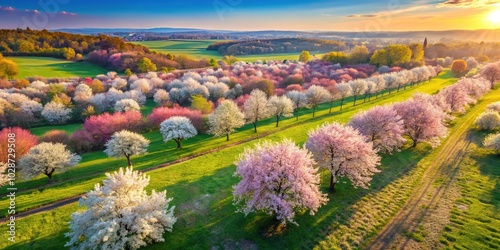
x=3 y=176
x=161 y=97
x=358 y=87
x=136 y=95
x=488 y=120
x=225 y=119
x=317 y=95
x=494 y=106
x=492 y=141
x=126 y=143
x=82 y=93
x=125 y=105
x=99 y=102
x=32 y=107
x=177 y=128
x=344 y=90
x=56 y=113
x=280 y=106
x=46 y=158
x=299 y=100
x=255 y=108
x=120 y=214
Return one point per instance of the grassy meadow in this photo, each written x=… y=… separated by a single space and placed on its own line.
x=202 y=186
x=197 y=49
x=54 y=67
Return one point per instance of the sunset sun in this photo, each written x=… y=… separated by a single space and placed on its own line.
x=495 y=17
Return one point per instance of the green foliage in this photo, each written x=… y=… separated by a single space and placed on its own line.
x=213 y=63
x=392 y=55
x=146 y=65
x=68 y=53
x=230 y=59
x=8 y=68
x=198 y=102
x=358 y=55
x=128 y=72
x=417 y=52
x=336 y=57
x=305 y=56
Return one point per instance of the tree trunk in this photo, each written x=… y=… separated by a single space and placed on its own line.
x=179 y=143
x=331 y=105
x=255 y=127
x=314 y=109
x=128 y=160
x=50 y=178
x=277 y=120
x=414 y=143
x=297 y=118
x=333 y=181
x=341 y=103
x=227 y=137
x=354 y=104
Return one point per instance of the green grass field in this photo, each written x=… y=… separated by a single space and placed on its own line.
x=53 y=67
x=197 y=49
x=201 y=187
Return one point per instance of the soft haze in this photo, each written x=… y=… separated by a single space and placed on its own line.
x=320 y=15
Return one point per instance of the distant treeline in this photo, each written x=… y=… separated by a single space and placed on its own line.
x=109 y=52
x=280 y=45
x=461 y=50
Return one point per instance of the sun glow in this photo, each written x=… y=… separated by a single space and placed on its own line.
x=495 y=17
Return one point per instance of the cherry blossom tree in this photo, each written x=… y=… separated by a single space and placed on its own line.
x=488 y=120
x=56 y=113
x=344 y=90
x=225 y=119
x=382 y=126
x=256 y=108
x=344 y=152
x=46 y=158
x=492 y=141
x=280 y=106
x=126 y=143
x=299 y=100
x=491 y=72
x=279 y=179
x=177 y=128
x=422 y=121
x=120 y=214
x=125 y=105
x=317 y=95
x=457 y=97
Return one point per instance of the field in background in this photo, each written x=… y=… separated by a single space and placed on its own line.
x=197 y=49
x=53 y=67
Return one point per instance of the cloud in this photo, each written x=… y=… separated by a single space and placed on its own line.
x=9 y=8
x=389 y=12
x=468 y=3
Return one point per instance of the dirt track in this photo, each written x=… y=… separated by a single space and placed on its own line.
x=433 y=185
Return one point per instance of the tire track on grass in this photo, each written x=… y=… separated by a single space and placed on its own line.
x=445 y=165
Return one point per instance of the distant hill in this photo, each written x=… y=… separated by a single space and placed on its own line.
x=486 y=35
x=280 y=45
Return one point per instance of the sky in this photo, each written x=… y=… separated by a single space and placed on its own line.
x=249 y=15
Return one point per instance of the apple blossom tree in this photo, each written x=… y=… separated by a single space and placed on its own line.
x=125 y=105
x=488 y=120
x=256 y=108
x=280 y=106
x=279 y=179
x=299 y=100
x=344 y=90
x=358 y=87
x=56 y=113
x=317 y=95
x=46 y=158
x=120 y=214
x=126 y=143
x=225 y=119
x=177 y=128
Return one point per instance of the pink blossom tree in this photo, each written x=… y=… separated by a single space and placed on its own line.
x=491 y=72
x=381 y=125
x=422 y=121
x=344 y=152
x=279 y=179
x=457 y=97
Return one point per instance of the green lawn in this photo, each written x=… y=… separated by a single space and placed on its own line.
x=53 y=67
x=197 y=49
x=201 y=187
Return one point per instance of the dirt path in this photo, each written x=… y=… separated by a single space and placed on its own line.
x=434 y=184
